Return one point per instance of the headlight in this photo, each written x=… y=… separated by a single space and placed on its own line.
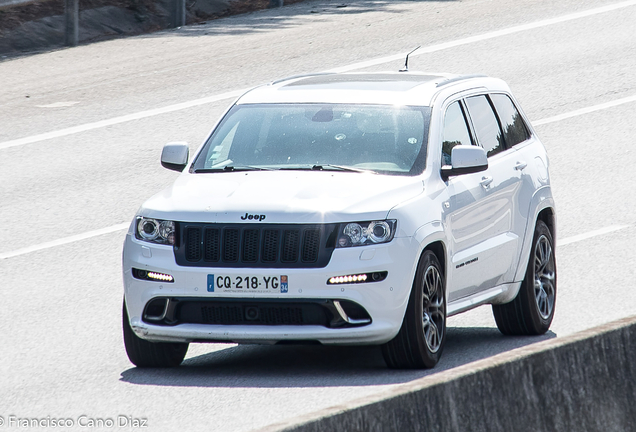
x=155 y=230
x=366 y=233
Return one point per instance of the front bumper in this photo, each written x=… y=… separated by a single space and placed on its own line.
x=384 y=301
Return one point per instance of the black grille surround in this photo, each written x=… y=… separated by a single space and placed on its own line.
x=254 y=245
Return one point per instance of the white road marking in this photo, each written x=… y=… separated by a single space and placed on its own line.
x=355 y=66
x=58 y=105
x=585 y=111
x=120 y=119
x=65 y=240
x=588 y=235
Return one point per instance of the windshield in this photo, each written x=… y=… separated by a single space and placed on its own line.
x=357 y=138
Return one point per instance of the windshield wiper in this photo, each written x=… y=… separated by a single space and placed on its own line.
x=232 y=168
x=325 y=167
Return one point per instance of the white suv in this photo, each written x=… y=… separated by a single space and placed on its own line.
x=360 y=208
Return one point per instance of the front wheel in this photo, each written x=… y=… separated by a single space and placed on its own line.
x=420 y=342
x=143 y=353
x=531 y=312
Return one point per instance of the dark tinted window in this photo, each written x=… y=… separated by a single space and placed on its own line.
x=455 y=131
x=485 y=123
x=514 y=128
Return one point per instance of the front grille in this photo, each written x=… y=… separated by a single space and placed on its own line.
x=246 y=245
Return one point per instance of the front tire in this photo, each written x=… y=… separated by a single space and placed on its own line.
x=143 y=353
x=531 y=312
x=421 y=339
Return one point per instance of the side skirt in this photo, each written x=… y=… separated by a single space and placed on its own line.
x=498 y=295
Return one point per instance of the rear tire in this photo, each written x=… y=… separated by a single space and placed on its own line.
x=421 y=339
x=143 y=353
x=531 y=312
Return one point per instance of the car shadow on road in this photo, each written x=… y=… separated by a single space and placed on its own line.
x=275 y=366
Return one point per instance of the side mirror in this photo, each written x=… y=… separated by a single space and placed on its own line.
x=175 y=156
x=466 y=159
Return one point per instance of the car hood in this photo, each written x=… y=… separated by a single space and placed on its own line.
x=281 y=197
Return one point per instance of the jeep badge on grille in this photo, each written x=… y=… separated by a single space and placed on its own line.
x=253 y=217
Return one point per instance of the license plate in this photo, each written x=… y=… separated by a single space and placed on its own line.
x=248 y=284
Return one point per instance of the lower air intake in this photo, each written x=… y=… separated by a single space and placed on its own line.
x=252 y=314
x=268 y=312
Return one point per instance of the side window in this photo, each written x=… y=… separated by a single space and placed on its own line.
x=455 y=131
x=485 y=124
x=514 y=128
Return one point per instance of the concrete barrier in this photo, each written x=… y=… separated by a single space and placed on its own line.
x=581 y=382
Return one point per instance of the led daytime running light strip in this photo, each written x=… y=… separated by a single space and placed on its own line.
x=160 y=277
x=358 y=278
x=348 y=279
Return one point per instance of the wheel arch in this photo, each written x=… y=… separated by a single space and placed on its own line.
x=548 y=216
x=431 y=237
x=541 y=208
x=439 y=249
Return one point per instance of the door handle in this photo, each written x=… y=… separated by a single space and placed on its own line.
x=520 y=165
x=485 y=181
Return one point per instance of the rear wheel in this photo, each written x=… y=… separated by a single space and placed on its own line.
x=531 y=312
x=420 y=342
x=143 y=353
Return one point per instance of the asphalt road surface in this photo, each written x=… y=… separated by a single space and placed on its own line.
x=81 y=131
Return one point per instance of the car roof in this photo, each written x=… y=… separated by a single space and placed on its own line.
x=399 y=88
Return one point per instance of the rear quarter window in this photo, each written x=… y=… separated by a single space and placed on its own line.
x=514 y=128
x=486 y=125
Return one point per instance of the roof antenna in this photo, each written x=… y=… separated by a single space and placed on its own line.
x=406 y=63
